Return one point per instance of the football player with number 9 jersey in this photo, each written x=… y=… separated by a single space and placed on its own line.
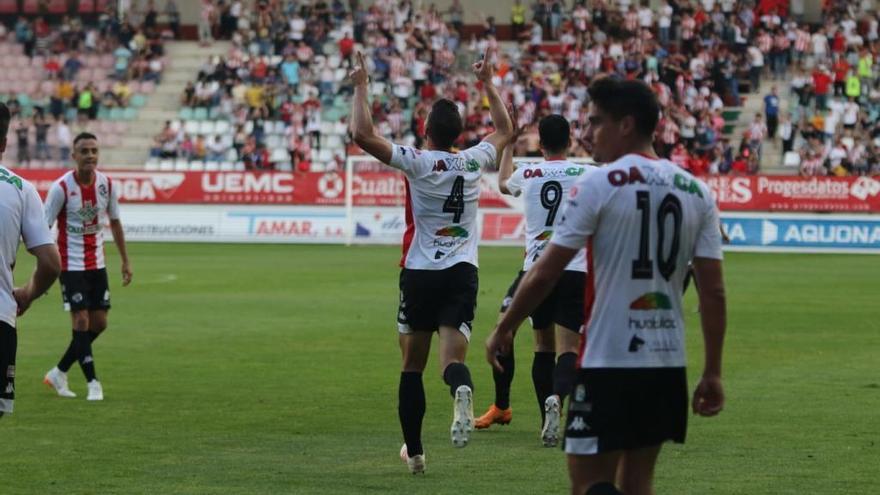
x=438 y=277
x=544 y=186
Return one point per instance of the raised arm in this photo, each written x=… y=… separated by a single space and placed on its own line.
x=505 y=170
x=500 y=118
x=505 y=166
x=362 y=129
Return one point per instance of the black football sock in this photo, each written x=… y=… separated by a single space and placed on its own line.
x=69 y=356
x=604 y=488
x=411 y=410
x=563 y=375
x=456 y=375
x=8 y=344
x=503 y=380
x=542 y=377
x=83 y=344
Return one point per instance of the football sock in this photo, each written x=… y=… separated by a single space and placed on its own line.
x=542 y=377
x=604 y=488
x=503 y=380
x=411 y=410
x=563 y=375
x=8 y=343
x=456 y=375
x=69 y=356
x=83 y=345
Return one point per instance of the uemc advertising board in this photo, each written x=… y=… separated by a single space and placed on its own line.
x=780 y=193
x=372 y=188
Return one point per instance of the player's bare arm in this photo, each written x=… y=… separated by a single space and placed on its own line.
x=119 y=239
x=537 y=283
x=505 y=167
x=45 y=274
x=362 y=129
x=709 y=396
x=500 y=118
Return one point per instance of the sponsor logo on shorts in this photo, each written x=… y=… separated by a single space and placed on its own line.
x=10 y=389
x=580 y=393
x=578 y=424
x=77 y=298
x=10 y=371
x=106 y=295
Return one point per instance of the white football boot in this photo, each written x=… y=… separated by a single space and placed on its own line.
x=57 y=379
x=462 y=416
x=550 y=432
x=416 y=463
x=95 y=391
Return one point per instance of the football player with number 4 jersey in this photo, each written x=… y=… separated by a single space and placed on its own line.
x=544 y=185
x=438 y=277
x=78 y=202
x=641 y=219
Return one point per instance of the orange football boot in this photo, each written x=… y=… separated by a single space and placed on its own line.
x=492 y=416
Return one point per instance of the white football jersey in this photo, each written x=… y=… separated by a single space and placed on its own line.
x=544 y=186
x=642 y=221
x=21 y=217
x=79 y=210
x=442 y=193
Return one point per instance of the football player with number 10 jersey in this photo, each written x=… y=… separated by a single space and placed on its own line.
x=641 y=219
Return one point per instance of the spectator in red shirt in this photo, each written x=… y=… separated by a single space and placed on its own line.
x=740 y=165
x=821 y=83
x=346 y=49
x=428 y=92
x=841 y=68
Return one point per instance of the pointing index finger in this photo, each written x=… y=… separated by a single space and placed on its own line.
x=361 y=60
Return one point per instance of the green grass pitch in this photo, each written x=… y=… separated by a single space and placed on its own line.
x=273 y=369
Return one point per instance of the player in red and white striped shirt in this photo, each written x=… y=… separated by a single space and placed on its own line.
x=78 y=201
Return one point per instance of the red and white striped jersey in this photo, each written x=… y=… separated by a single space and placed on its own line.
x=79 y=210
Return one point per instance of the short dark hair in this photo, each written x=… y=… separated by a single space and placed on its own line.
x=84 y=135
x=621 y=98
x=555 y=133
x=444 y=124
x=5 y=117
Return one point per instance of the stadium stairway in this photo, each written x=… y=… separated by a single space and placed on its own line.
x=771 y=154
x=187 y=57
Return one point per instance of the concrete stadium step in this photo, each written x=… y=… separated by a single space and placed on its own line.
x=187 y=57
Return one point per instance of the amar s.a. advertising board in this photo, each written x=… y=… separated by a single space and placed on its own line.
x=218 y=223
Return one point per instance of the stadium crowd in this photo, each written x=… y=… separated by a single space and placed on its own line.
x=66 y=73
x=289 y=60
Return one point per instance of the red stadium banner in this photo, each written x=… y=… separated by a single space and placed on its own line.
x=783 y=193
x=387 y=188
x=384 y=188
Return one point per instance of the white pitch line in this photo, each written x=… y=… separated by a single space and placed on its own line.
x=163 y=279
